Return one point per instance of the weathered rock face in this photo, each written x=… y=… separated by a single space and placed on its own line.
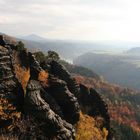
x=9 y=86
x=60 y=71
x=64 y=89
x=66 y=100
x=55 y=126
x=56 y=105
x=7 y=79
x=34 y=66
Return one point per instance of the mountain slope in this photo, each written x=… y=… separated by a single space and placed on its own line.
x=119 y=69
x=123 y=103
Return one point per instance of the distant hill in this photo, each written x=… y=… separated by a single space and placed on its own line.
x=33 y=37
x=69 y=49
x=119 y=69
x=74 y=69
x=135 y=50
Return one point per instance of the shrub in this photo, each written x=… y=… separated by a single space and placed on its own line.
x=20 y=46
x=86 y=129
x=23 y=75
x=40 y=56
x=53 y=56
x=43 y=77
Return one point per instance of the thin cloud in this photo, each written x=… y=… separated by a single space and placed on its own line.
x=75 y=19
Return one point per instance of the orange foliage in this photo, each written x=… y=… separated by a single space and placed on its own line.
x=87 y=130
x=43 y=77
x=98 y=84
x=23 y=75
x=123 y=114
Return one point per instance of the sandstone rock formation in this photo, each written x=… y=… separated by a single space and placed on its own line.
x=55 y=102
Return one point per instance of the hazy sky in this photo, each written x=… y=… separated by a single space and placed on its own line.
x=93 y=20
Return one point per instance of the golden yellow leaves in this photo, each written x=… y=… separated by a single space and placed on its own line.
x=105 y=133
x=87 y=130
